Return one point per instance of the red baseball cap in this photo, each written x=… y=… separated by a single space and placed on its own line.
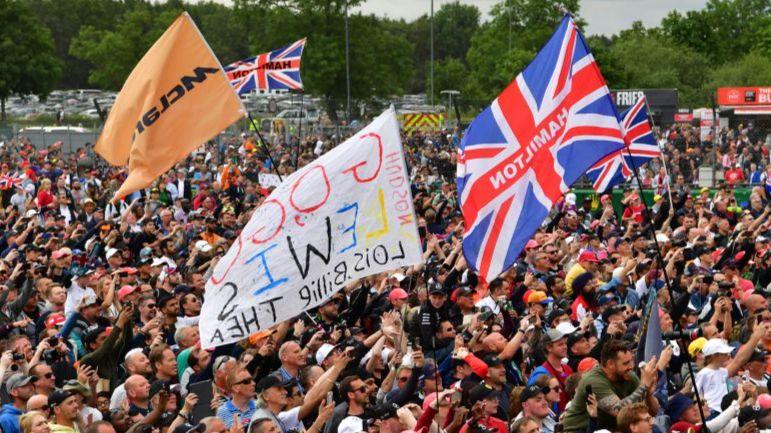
x=54 y=320
x=588 y=256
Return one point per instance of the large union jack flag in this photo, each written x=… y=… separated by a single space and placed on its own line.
x=638 y=137
x=521 y=154
x=277 y=70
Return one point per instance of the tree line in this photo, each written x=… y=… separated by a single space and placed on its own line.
x=50 y=44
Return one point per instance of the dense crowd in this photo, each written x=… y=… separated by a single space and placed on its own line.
x=100 y=303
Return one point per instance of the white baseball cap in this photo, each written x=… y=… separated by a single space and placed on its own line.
x=323 y=352
x=715 y=346
x=351 y=424
x=203 y=246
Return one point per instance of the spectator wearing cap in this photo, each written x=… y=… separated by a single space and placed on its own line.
x=684 y=416
x=755 y=370
x=587 y=262
x=291 y=417
x=148 y=235
x=484 y=398
x=463 y=365
x=535 y=405
x=720 y=366
x=614 y=385
x=136 y=363
x=585 y=289
x=435 y=310
x=20 y=387
x=105 y=346
x=464 y=299
x=579 y=347
x=65 y=406
x=496 y=379
x=397 y=297
x=556 y=349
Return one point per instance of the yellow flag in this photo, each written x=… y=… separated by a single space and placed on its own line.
x=176 y=98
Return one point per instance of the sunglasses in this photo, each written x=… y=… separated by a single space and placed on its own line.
x=246 y=381
x=360 y=389
x=47 y=376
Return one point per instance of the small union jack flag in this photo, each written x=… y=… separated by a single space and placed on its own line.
x=616 y=167
x=521 y=154
x=9 y=181
x=276 y=70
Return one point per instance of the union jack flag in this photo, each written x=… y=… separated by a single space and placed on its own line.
x=276 y=70
x=9 y=181
x=521 y=154
x=638 y=137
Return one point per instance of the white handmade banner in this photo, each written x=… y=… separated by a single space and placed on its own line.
x=268 y=179
x=345 y=216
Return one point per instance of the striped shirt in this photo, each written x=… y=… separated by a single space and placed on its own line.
x=228 y=411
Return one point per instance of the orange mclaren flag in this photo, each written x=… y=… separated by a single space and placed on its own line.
x=176 y=98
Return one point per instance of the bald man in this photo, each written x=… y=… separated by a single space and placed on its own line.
x=136 y=362
x=755 y=303
x=293 y=358
x=214 y=425
x=38 y=402
x=138 y=394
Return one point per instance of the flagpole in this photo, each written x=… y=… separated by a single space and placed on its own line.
x=663 y=158
x=669 y=287
x=264 y=146
x=299 y=132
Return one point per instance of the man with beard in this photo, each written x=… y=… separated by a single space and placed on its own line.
x=587 y=262
x=585 y=287
x=615 y=386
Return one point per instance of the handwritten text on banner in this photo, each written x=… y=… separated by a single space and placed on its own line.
x=347 y=215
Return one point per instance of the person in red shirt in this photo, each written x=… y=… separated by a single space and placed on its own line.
x=634 y=209
x=734 y=175
x=484 y=402
x=45 y=199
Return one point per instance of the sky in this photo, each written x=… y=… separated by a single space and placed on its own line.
x=602 y=16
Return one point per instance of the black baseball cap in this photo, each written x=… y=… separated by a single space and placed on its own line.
x=481 y=392
x=530 y=392
x=58 y=396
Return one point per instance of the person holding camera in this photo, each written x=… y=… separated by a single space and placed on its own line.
x=711 y=381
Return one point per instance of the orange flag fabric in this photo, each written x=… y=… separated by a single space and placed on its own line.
x=176 y=98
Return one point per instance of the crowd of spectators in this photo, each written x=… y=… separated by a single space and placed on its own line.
x=100 y=303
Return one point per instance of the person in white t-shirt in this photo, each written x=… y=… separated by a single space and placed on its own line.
x=712 y=380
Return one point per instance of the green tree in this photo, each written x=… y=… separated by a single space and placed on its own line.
x=454 y=26
x=64 y=18
x=27 y=61
x=753 y=69
x=653 y=61
x=493 y=63
x=724 y=30
x=112 y=55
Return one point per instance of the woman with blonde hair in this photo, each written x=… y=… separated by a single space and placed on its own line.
x=34 y=422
